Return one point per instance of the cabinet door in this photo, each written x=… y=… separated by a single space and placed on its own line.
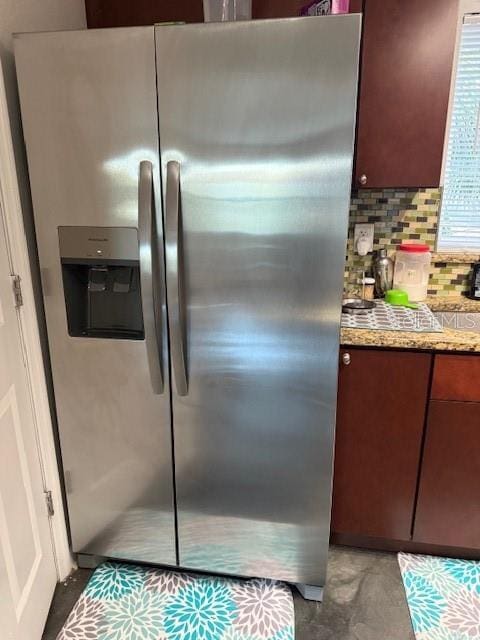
x=448 y=510
x=382 y=399
x=405 y=83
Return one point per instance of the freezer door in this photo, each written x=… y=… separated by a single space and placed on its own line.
x=89 y=113
x=256 y=135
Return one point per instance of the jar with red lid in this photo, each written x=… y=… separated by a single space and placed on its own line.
x=412 y=270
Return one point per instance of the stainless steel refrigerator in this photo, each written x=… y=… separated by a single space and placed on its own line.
x=191 y=189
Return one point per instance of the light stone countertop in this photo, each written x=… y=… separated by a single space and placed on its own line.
x=453 y=303
x=448 y=340
x=459 y=257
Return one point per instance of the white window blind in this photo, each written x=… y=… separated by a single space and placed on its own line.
x=459 y=228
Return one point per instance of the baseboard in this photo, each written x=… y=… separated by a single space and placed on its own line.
x=409 y=546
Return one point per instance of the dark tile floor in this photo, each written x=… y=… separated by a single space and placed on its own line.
x=364 y=600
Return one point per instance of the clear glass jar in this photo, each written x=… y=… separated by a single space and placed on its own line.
x=412 y=270
x=226 y=10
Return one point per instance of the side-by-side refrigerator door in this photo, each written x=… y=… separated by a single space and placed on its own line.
x=89 y=113
x=256 y=136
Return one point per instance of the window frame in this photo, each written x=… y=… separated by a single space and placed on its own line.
x=465 y=8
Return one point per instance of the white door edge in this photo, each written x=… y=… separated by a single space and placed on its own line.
x=18 y=253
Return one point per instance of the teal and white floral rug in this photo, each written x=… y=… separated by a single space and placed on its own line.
x=443 y=596
x=128 y=602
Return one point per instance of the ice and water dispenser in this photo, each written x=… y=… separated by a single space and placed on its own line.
x=101 y=282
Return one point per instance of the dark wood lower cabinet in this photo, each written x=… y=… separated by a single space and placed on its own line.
x=389 y=491
x=448 y=509
x=382 y=402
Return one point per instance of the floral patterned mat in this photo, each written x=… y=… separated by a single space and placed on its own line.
x=443 y=596
x=128 y=602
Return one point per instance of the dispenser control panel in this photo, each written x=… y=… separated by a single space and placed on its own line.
x=97 y=243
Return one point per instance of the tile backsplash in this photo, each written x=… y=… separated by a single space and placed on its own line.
x=403 y=215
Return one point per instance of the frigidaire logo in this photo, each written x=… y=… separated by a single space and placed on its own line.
x=98 y=239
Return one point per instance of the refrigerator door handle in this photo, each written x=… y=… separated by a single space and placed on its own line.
x=176 y=312
x=149 y=273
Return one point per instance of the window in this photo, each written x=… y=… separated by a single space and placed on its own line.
x=459 y=227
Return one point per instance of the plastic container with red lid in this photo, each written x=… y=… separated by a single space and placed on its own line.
x=414 y=248
x=412 y=270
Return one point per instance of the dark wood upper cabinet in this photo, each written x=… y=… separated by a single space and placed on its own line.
x=407 y=57
x=382 y=400
x=122 y=13
x=448 y=510
x=125 y=13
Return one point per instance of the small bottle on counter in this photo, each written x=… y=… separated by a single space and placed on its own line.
x=368 y=288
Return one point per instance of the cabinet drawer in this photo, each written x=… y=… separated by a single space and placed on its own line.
x=456 y=378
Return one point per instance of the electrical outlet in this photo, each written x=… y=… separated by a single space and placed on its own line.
x=365 y=233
